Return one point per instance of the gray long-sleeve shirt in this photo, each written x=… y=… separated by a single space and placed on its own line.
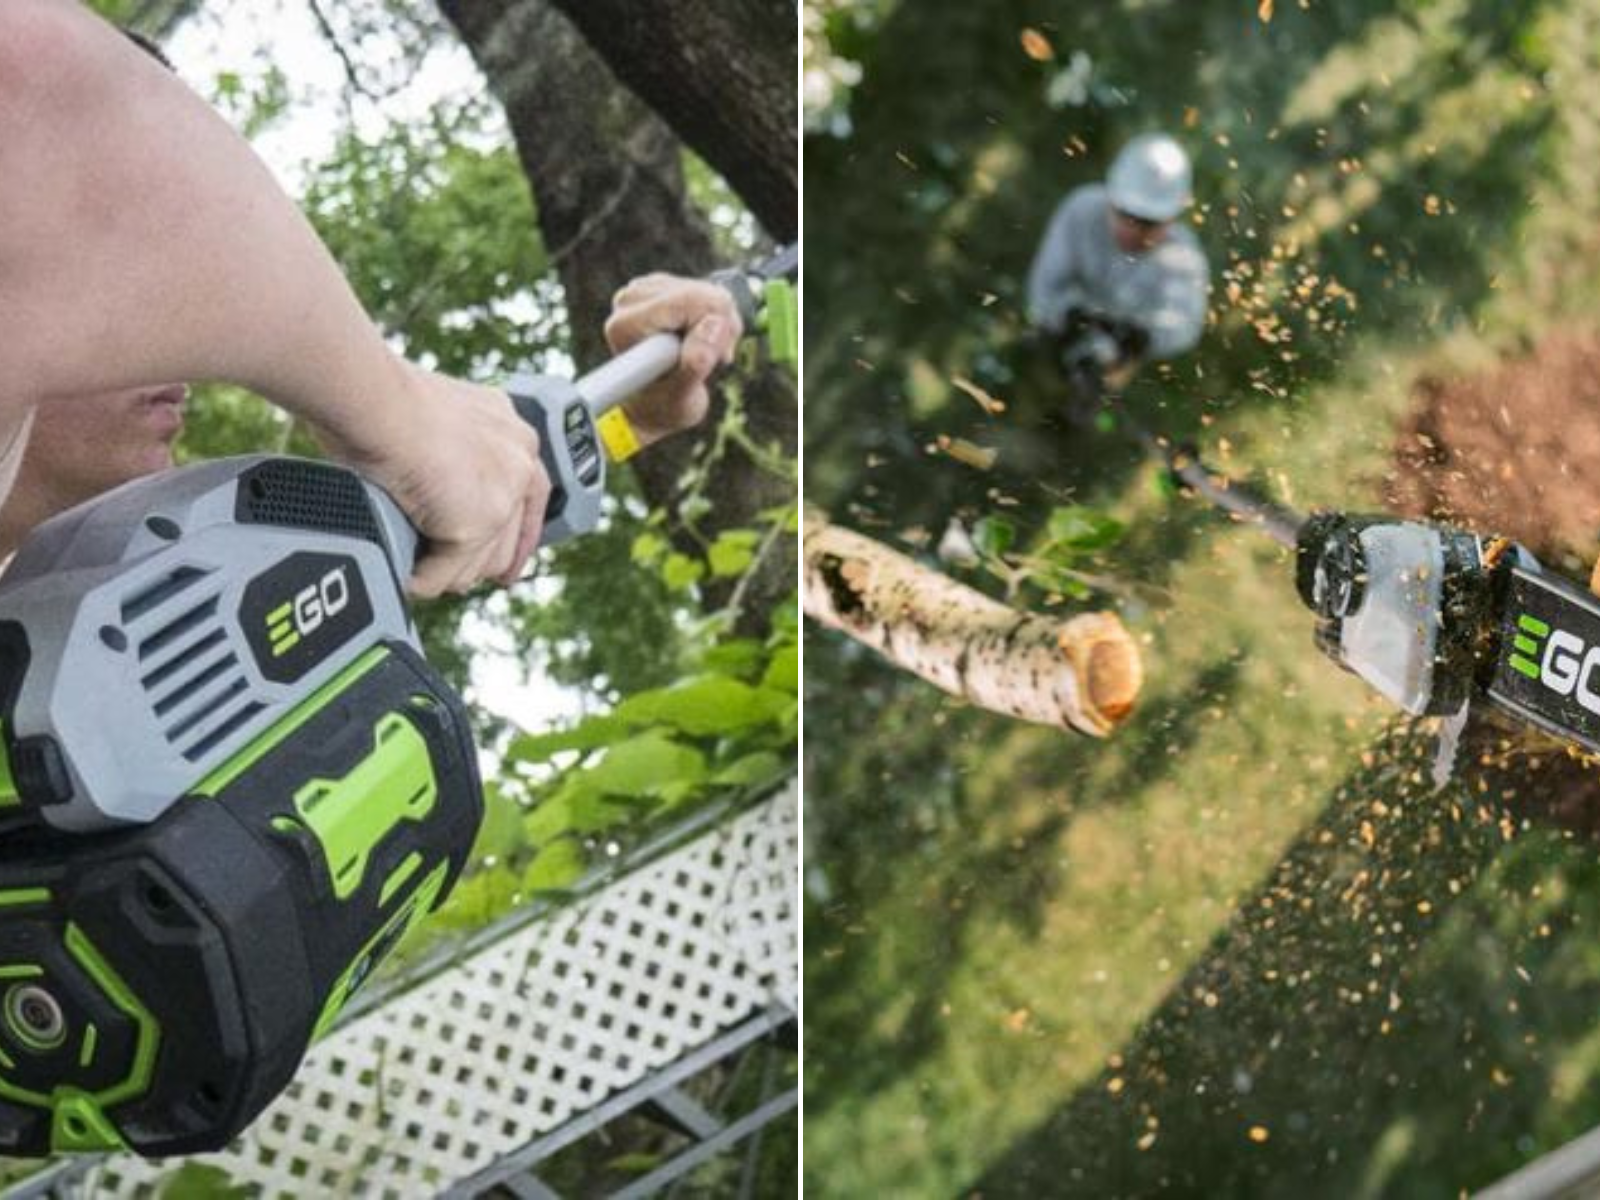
x=1079 y=266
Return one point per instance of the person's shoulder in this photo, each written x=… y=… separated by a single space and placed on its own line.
x=1081 y=208
x=1088 y=199
x=1181 y=248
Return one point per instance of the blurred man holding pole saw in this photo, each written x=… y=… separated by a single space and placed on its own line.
x=1116 y=282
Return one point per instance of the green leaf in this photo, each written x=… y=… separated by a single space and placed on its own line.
x=1067 y=585
x=643 y=766
x=649 y=548
x=993 y=536
x=1081 y=529
x=693 y=507
x=733 y=552
x=680 y=572
x=503 y=832
x=592 y=812
x=479 y=897
x=707 y=705
x=786 y=515
x=557 y=866
x=740 y=658
x=786 y=619
x=588 y=734
x=551 y=818
x=783 y=672
x=703 y=706
x=201 y=1181
x=751 y=769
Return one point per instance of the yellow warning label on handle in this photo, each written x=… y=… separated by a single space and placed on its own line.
x=621 y=442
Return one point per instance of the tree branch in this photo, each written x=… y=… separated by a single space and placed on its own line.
x=1084 y=673
x=331 y=36
x=722 y=74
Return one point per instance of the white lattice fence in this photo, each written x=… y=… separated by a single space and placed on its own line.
x=532 y=1030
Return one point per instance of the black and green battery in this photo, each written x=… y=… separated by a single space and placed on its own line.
x=159 y=985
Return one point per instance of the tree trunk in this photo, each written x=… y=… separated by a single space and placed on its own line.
x=722 y=74
x=1083 y=673
x=607 y=179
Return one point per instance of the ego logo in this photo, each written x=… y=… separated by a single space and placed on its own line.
x=305 y=614
x=300 y=612
x=1566 y=665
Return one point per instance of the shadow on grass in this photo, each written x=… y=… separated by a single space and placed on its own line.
x=907 y=804
x=1381 y=1017
x=1172 y=728
x=1005 y=870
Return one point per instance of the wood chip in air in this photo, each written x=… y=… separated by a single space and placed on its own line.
x=985 y=401
x=981 y=457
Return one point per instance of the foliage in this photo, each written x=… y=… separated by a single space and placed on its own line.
x=726 y=725
x=438 y=239
x=718 y=717
x=568 y=801
x=836 y=32
x=252 y=104
x=733 y=229
x=610 y=628
x=202 y=1181
x=604 y=627
x=1054 y=560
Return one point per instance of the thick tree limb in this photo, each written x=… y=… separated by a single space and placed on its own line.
x=722 y=74
x=1083 y=673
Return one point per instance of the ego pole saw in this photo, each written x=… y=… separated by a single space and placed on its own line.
x=230 y=780
x=1436 y=620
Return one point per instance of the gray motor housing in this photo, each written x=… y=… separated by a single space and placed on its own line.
x=170 y=622
x=1390 y=640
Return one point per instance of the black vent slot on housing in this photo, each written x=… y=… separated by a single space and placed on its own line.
x=157 y=593
x=179 y=628
x=306 y=495
x=193 y=681
x=215 y=737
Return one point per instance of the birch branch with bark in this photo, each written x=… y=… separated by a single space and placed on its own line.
x=1083 y=673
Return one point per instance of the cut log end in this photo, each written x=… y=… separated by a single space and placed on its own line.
x=1107 y=669
x=1083 y=674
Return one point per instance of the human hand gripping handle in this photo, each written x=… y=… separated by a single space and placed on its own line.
x=670 y=334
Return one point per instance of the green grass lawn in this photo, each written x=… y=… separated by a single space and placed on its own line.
x=1243 y=947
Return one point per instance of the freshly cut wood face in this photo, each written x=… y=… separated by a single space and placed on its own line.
x=1083 y=673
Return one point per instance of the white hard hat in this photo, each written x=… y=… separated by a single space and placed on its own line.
x=1150 y=178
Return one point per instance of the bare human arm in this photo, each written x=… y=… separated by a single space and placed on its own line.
x=142 y=241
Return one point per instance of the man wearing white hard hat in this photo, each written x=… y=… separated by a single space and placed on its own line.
x=1116 y=278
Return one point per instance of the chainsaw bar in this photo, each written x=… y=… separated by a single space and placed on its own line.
x=1547 y=657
